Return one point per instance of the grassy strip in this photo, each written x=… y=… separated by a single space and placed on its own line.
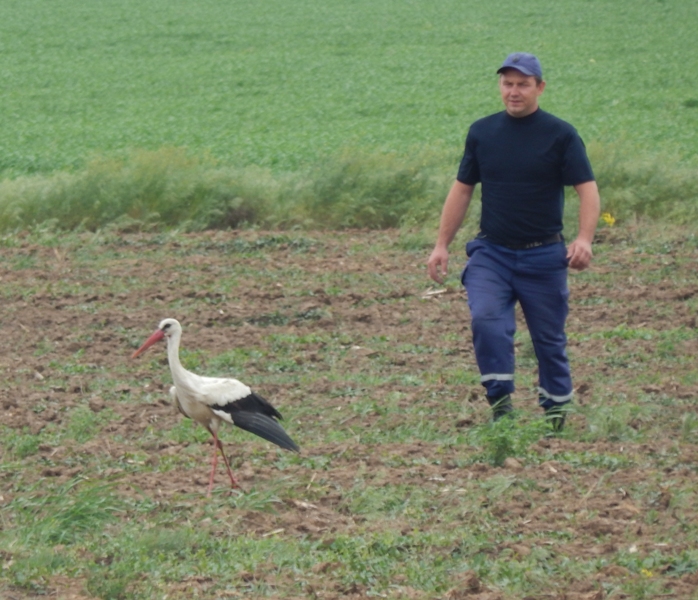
x=171 y=189
x=168 y=188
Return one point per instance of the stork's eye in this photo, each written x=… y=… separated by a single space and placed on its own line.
x=166 y=326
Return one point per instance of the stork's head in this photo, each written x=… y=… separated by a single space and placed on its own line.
x=167 y=329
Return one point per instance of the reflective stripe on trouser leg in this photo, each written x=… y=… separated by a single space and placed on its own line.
x=498 y=385
x=547 y=400
x=491 y=300
x=541 y=288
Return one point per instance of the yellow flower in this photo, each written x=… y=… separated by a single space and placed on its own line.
x=646 y=573
x=608 y=218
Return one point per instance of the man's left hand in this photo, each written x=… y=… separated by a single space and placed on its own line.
x=579 y=254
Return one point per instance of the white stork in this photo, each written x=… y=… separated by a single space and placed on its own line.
x=211 y=400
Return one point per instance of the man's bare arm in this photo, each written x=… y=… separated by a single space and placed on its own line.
x=579 y=252
x=452 y=215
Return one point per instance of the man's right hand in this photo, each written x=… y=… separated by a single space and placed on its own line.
x=437 y=264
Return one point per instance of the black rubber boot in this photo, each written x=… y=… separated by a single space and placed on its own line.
x=501 y=407
x=556 y=415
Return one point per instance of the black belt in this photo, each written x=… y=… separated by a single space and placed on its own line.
x=552 y=239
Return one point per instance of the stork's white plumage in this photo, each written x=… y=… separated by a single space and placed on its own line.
x=212 y=400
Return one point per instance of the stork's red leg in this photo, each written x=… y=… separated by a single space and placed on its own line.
x=233 y=482
x=218 y=445
x=214 y=464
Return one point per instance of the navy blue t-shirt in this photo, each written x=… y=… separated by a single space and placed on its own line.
x=523 y=165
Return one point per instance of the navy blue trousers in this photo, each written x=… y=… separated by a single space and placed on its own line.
x=496 y=278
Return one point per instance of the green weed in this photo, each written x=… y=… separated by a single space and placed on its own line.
x=507 y=437
x=20 y=444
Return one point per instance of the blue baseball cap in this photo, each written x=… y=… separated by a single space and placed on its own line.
x=528 y=64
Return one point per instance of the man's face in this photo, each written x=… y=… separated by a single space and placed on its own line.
x=519 y=92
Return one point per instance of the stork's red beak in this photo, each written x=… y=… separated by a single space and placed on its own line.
x=153 y=339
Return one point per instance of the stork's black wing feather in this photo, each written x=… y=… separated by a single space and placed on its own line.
x=256 y=415
x=252 y=403
x=265 y=427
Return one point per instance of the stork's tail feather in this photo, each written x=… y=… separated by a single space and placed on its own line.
x=265 y=427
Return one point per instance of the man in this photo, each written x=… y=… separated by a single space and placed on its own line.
x=523 y=157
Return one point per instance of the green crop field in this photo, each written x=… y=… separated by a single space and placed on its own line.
x=284 y=85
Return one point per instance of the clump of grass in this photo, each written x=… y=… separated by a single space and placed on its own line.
x=108 y=583
x=39 y=525
x=114 y=574
x=83 y=424
x=65 y=514
x=611 y=423
x=30 y=571
x=689 y=427
x=507 y=437
x=374 y=191
x=20 y=444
